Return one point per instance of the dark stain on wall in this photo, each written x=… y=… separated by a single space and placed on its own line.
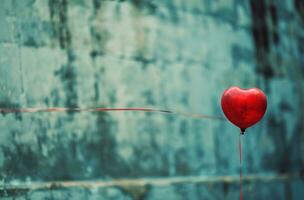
x=149 y=153
x=274 y=23
x=59 y=20
x=277 y=132
x=285 y=107
x=263 y=36
x=99 y=37
x=67 y=73
x=145 y=5
x=149 y=97
x=259 y=26
x=103 y=147
x=14 y=192
x=299 y=6
x=6 y=103
x=140 y=57
x=182 y=164
x=69 y=155
x=97 y=4
x=20 y=159
x=99 y=40
x=55 y=98
x=30 y=41
x=301 y=52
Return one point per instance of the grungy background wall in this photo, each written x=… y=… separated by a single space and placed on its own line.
x=174 y=54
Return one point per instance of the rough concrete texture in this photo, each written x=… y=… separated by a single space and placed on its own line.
x=172 y=54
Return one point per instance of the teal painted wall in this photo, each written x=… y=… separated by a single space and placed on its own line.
x=172 y=54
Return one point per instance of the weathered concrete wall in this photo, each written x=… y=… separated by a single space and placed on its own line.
x=172 y=54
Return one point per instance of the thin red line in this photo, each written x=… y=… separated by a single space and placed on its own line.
x=61 y=109
x=124 y=109
x=241 y=166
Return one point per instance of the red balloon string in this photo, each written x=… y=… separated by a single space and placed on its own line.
x=61 y=109
x=241 y=166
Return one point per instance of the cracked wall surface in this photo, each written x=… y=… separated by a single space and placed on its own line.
x=171 y=54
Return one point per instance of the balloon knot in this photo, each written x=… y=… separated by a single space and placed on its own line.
x=243 y=131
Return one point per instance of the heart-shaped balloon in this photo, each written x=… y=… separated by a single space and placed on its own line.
x=244 y=107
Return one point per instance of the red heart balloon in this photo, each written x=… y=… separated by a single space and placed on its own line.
x=244 y=107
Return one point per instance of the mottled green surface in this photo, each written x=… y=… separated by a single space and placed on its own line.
x=173 y=54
